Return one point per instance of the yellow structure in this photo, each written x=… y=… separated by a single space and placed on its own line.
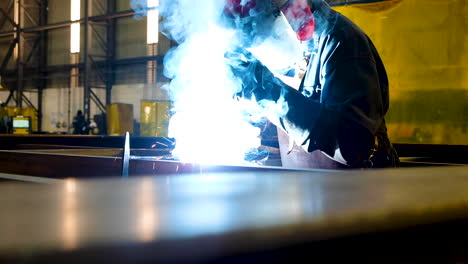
x=424 y=46
x=13 y=110
x=21 y=125
x=3 y=112
x=155 y=118
x=31 y=112
x=119 y=119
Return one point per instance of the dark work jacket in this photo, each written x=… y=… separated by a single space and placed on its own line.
x=345 y=82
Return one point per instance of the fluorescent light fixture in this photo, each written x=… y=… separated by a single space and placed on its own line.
x=16 y=20
x=75 y=27
x=152 y=34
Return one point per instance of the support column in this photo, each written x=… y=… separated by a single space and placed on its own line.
x=19 y=17
x=42 y=82
x=152 y=65
x=74 y=84
x=110 y=52
x=87 y=62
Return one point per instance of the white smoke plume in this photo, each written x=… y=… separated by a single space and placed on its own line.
x=209 y=125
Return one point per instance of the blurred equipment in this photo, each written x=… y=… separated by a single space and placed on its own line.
x=119 y=119
x=32 y=113
x=101 y=125
x=155 y=118
x=21 y=125
x=13 y=110
x=3 y=120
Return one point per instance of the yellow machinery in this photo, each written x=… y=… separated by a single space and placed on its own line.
x=9 y=113
x=31 y=112
x=119 y=119
x=155 y=118
x=21 y=125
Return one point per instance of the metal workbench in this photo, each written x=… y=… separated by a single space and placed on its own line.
x=412 y=215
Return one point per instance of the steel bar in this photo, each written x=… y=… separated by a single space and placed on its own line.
x=42 y=61
x=110 y=51
x=8 y=56
x=355 y=2
x=10 y=96
x=33 y=49
x=101 y=76
x=27 y=15
x=28 y=102
x=87 y=61
x=97 y=101
x=100 y=7
x=20 y=58
x=66 y=67
x=64 y=24
x=6 y=40
x=5 y=18
x=98 y=23
x=7 y=34
x=8 y=18
x=99 y=39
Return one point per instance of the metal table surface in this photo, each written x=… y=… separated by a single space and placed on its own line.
x=198 y=217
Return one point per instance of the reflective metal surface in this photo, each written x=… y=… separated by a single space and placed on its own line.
x=262 y=209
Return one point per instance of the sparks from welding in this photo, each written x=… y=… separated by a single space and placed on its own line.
x=208 y=124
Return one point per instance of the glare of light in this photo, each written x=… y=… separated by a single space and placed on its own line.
x=208 y=124
x=70 y=221
x=147 y=110
x=75 y=27
x=70 y=185
x=153 y=22
x=147 y=220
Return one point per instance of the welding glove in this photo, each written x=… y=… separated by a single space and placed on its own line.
x=296 y=114
x=255 y=78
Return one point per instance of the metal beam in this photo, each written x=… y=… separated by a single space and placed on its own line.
x=19 y=62
x=42 y=62
x=27 y=15
x=7 y=17
x=97 y=101
x=10 y=96
x=4 y=19
x=33 y=49
x=87 y=62
x=117 y=62
x=28 y=102
x=8 y=55
x=100 y=40
x=63 y=24
x=352 y=2
x=110 y=52
x=97 y=71
x=100 y=7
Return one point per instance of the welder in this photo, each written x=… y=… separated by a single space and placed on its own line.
x=335 y=117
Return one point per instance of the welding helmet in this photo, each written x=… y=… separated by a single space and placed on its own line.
x=253 y=19
x=300 y=17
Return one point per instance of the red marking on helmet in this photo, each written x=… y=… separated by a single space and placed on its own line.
x=299 y=15
x=235 y=8
x=306 y=31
